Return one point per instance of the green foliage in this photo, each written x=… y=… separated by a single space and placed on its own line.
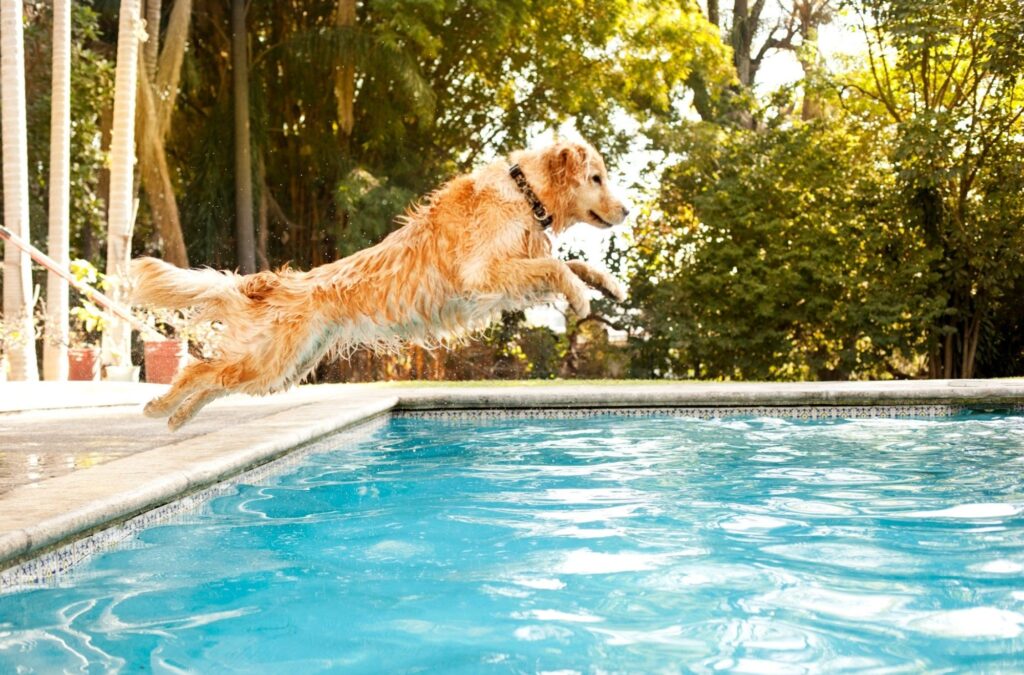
x=370 y=204
x=948 y=78
x=774 y=255
x=87 y=320
x=543 y=350
x=440 y=85
x=878 y=232
x=887 y=234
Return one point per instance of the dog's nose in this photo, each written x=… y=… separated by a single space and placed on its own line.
x=625 y=210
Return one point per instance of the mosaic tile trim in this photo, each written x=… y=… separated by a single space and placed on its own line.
x=50 y=568
x=703 y=412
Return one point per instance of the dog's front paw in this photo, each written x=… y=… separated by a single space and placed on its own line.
x=578 y=300
x=612 y=288
x=581 y=308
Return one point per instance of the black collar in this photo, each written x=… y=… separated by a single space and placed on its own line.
x=540 y=214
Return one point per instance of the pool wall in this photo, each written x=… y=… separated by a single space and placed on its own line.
x=47 y=528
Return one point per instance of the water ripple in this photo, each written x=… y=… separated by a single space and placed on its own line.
x=606 y=544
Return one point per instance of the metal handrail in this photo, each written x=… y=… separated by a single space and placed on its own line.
x=85 y=289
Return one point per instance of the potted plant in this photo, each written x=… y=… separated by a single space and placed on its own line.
x=165 y=357
x=83 y=335
x=85 y=327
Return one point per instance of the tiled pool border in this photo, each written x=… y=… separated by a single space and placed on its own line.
x=50 y=567
x=711 y=412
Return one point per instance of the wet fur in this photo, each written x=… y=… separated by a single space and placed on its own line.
x=470 y=251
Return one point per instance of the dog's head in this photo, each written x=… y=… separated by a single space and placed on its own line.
x=575 y=186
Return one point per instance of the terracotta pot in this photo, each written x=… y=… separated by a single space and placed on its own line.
x=163 y=359
x=84 y=363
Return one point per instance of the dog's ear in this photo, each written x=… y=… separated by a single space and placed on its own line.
x=566 y=163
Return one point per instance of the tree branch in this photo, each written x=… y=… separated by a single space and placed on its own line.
x=889 y=104
x=168 y=71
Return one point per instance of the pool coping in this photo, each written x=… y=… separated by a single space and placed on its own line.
x=731 y=394
x=49 y=515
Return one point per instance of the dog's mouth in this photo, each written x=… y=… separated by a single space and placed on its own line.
x=598 y=220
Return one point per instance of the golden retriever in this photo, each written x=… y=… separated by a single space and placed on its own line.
x=475 y=247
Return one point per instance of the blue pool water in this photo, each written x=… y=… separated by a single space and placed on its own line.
x=603 y=544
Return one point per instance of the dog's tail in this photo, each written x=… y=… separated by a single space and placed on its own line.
x=161 y=284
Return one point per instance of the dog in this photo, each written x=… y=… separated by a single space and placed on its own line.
x=474 y=248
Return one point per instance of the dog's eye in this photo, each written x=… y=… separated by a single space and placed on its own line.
x=596 y=179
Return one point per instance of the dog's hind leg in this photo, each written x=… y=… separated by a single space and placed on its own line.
x=195 y=376
x=200 y=383
x=191 y=406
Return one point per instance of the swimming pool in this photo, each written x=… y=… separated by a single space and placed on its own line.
x=610 y=542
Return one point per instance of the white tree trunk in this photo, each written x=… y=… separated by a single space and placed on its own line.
x=244 y=222
x=121 y=218
x=21 y=351
x=55 y=350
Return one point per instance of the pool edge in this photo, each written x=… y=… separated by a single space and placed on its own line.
x=54 y=513
x=50 y=526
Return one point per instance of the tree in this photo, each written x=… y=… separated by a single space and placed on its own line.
x=436 y=87
x=345 y=84
x=117 y=335
x=17 y=265
x=244 y=223
x=749 y=24
x=885 y=236
x=92 y=75
x=55 y=357
x=158 y=92
x=778 y=254
x=949 y=77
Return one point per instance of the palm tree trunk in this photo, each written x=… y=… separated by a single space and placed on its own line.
x=152 y=47
x=947 y=358
x=117 y=336
x=345 y=86
x=243 y=152
x=55 y=346
x=156 y=178
x=263 y=233
x=21 y=350
x=168 y=70
x=158 y=89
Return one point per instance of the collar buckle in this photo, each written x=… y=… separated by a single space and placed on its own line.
x=540 y=214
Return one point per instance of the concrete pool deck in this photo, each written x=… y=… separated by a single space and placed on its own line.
x=77 y=457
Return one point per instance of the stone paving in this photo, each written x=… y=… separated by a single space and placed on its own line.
x=46 y=432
